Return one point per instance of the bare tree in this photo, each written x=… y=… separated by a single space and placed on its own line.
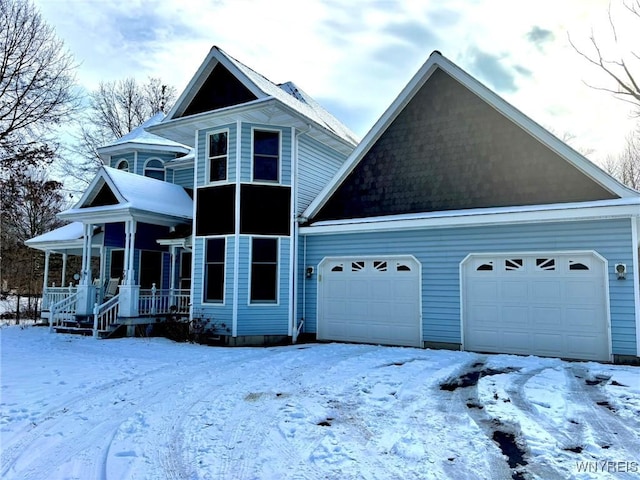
x=36 y=81
x=29 y=204
x=618 y=66
x=115 y=108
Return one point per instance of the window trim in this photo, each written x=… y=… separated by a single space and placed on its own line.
x=263 y=303
x=154 y=169
x=208 y=158
x=278 y=181
x=206 y=301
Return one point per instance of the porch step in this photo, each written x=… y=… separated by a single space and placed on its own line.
x=74 y=330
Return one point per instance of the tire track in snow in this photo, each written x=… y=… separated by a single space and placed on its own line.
x=606 y=427
x=97 y=421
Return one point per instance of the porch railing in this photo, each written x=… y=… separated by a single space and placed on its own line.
x=105 y=315
x=157 y=301
x=62 y=311
x=52 y=295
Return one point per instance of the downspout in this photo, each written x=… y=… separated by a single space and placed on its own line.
x=295 y=243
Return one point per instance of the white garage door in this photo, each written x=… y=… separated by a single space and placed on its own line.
x=551 y=304
x=370 y=300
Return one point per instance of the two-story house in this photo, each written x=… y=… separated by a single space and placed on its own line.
x=456 y=222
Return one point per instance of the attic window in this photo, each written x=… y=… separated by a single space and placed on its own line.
x=154 y=169
x=123 y=165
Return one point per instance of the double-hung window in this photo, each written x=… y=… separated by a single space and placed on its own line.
x=214 y=270
x=264 y=270
x=266 y=155
x=218 y=147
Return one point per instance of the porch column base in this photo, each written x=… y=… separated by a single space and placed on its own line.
x=129 y=297
x=86 y=300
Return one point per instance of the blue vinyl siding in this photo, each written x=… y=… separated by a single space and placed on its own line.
x=317 y=164
x=246 y=151
x=202 y=152
x=263 y=319
x=440 y=252
x=217 y=313
x=182 y=177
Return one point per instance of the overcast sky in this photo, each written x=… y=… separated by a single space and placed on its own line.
x=355 y=56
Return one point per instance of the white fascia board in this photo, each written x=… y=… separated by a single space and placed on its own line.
x=623 y=208
x=121 y=213
x=147 y=147
x=181 y=129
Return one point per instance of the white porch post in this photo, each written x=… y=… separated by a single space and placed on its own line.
x=86 y=291
x=45 y=282
x=130 y=254
x=172 y=273
x=63 y=276
x=129 y=291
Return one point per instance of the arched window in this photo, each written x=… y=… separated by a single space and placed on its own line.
x=123 y=165
x=154 y=169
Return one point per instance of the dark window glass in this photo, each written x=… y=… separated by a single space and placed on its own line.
x=154 y=169
x=116 y=269
x=215 y=210
x=218 y=156
x=266 y=153
x=214 y=270
x=265 y=209
x=264 y=270
x=185 y=271
x=123 y=165
x=150 y=269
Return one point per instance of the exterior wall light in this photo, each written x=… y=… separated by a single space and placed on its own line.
x=621 y=271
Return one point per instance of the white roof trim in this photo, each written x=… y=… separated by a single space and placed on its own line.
x=435 y=61
x=601 y=209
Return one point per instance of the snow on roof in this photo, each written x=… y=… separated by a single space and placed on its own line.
x=135 y=192
x=140 y=136
x=289 y=94
x=151 y=195
x=72 y=231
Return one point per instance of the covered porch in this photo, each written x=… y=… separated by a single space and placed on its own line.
x=138 y=280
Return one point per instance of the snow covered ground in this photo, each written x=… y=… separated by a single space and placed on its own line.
x=78 y=408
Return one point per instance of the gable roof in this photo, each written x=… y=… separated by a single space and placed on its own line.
x=124 y=194
x=286 y=94
x=139 y=137
x=372 y=181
